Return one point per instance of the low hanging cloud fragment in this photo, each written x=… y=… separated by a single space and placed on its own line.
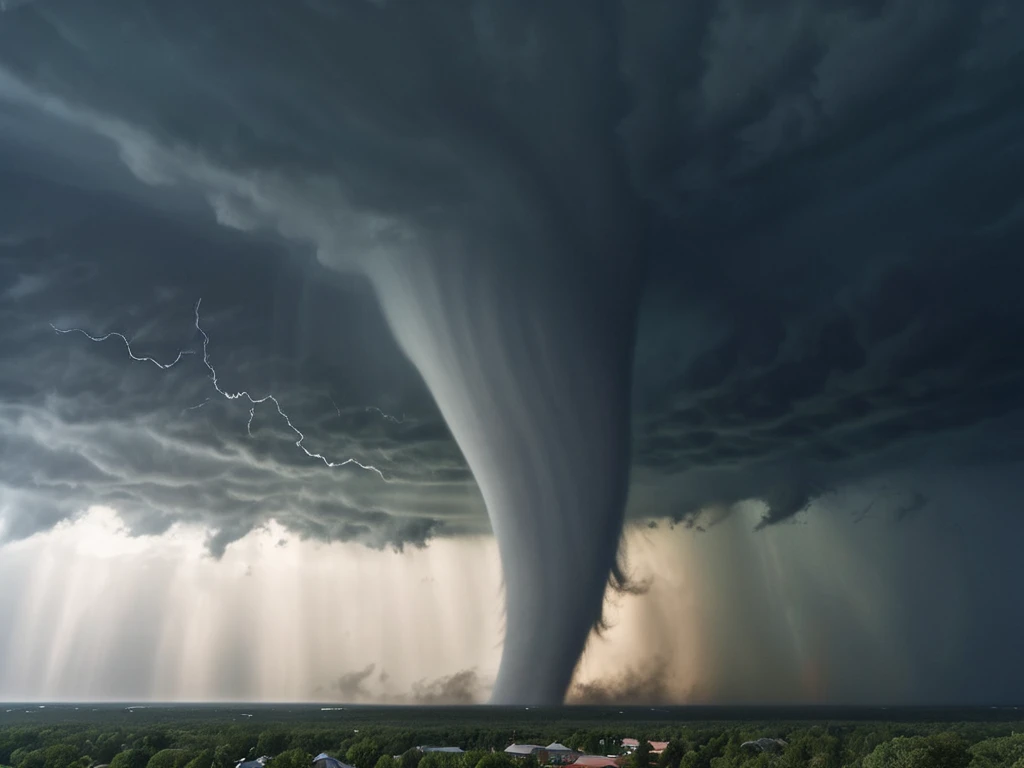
x=351 y=687
x=461 y=688
x=647 y=682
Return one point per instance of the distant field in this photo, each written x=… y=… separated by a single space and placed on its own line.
x=487 y=717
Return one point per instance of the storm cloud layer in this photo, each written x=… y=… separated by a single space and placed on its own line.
x=817 y=202
x=85 y=425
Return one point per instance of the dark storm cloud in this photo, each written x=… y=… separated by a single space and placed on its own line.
x=767 y=131
x=848 y=265
x=896 y=506
x=83 y=424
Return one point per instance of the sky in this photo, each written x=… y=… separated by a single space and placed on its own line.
x=636 y=353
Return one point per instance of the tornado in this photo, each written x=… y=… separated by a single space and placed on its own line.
x=465 y=156
x=529 y=361
x=517 y=301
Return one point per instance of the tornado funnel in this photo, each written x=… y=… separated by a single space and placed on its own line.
x=486 y=134
x=528 y=355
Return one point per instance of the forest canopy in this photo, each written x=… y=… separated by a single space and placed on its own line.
x=124 y=741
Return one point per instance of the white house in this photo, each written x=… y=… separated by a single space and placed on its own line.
x=523 y=750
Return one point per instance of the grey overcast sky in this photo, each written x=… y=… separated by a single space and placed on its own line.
x=757 y=263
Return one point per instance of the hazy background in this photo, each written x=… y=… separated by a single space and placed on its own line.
x=839 y=609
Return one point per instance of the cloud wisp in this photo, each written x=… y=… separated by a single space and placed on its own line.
x=242 y=394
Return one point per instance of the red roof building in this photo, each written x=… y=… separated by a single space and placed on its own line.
x=596 y=761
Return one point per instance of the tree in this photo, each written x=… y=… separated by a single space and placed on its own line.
x=223 y=756
x=104 y=746
x=293 y=758
x=364 y=753
x=24 y=758
x=995 y=753
x=272 y=742
x=672 y=754
x=702 y=756
x=203 y=760
x=410 y=758
x=441 y=760
x=156 y=741
x=642 y=756
x=168 y=758
x=495 y=760
x=132 y=758
x=944 y=750
x=386 y=761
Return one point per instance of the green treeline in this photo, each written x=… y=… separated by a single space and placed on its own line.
x=711 y=745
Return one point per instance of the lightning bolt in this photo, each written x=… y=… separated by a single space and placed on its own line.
x=127 y=345
x=196 y=407
x=240 y=395
x=386 y=416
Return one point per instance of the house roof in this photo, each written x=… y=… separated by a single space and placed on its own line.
x=440 y=749
x=596 y=761
x=323 y=760
x=659 y=746
x=522 y=749
x=630 y=743
x=554 y=746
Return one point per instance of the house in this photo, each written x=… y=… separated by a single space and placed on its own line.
x=520 y=751
x=559 y=753
x=596 y=761
x=259 y=762
x=323 y=760
x=452 y=750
